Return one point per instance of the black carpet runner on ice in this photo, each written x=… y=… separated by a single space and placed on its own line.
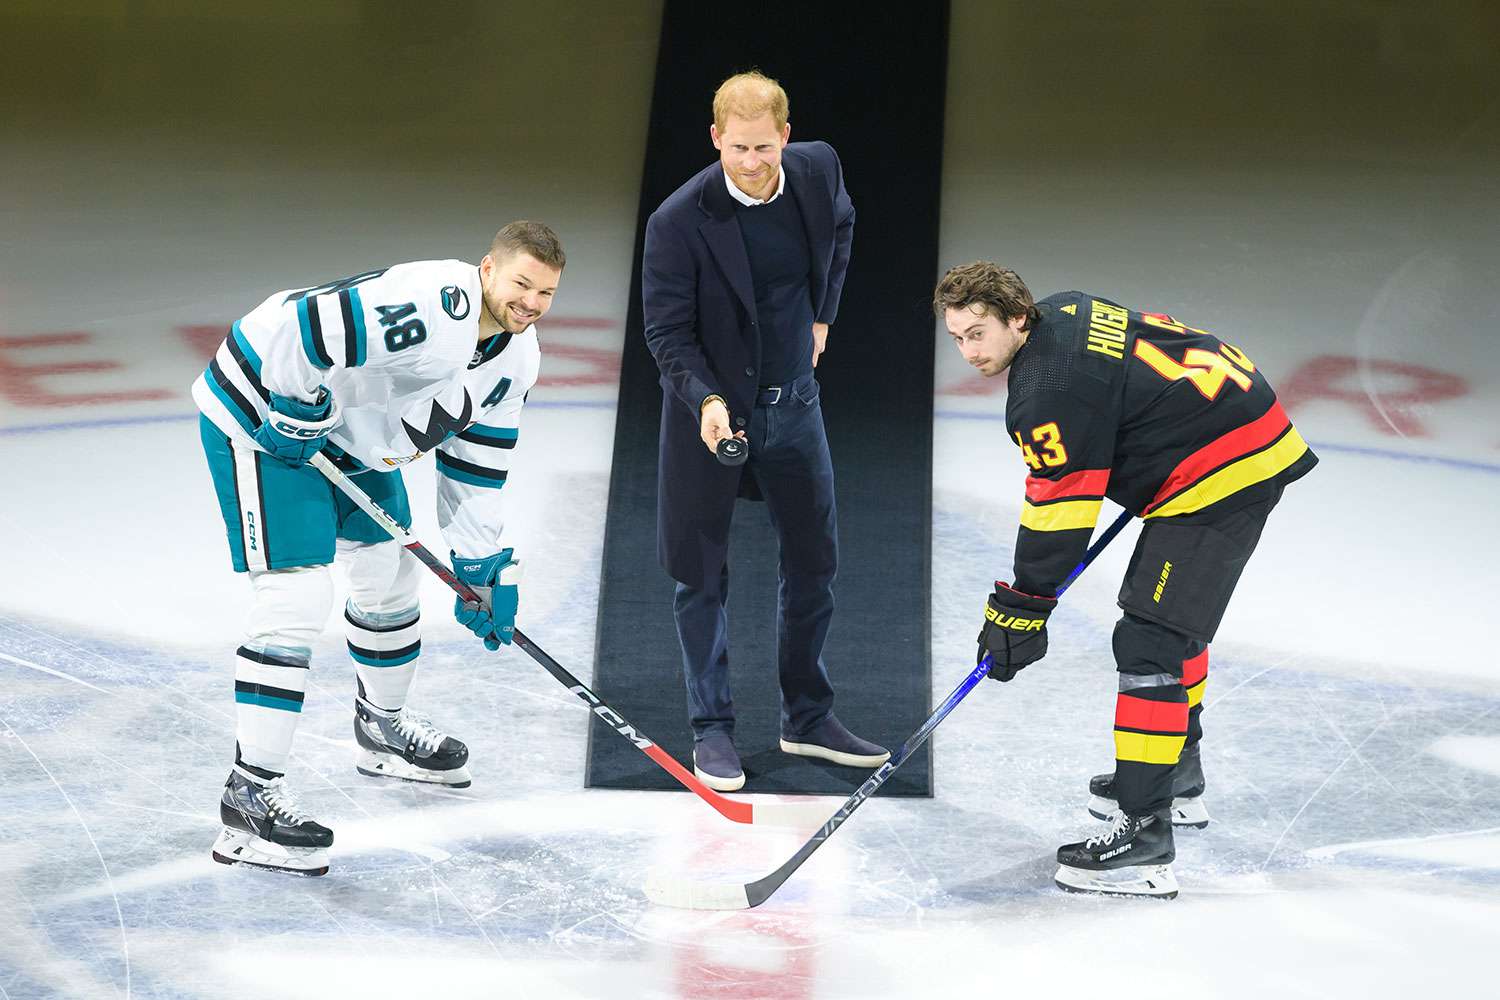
x=873 y=86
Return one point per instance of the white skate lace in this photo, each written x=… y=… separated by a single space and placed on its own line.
x=1122 y=822
x=283 y=801
x=418 y=730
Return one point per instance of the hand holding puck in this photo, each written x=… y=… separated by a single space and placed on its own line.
x=733 y=451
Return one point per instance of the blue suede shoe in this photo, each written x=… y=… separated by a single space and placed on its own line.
x=829 y=740
x=716 y=764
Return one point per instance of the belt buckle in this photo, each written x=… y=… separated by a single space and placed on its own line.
x=778 y=394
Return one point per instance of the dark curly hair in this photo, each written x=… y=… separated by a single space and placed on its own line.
x=999 y=289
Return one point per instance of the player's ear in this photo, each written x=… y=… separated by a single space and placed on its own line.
x=713 y=136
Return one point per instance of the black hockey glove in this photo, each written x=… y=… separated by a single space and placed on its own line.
x=1014 y=633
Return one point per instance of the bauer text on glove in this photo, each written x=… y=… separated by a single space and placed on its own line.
x=1014 y=632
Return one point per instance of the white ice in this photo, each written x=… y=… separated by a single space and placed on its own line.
x=1353 y=720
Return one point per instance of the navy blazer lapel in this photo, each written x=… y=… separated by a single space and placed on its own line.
x=721 y=231
x=811 y=192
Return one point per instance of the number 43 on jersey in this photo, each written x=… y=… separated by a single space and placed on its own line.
x=1049 y=452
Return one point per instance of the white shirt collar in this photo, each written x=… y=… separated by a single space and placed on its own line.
x=745 y=199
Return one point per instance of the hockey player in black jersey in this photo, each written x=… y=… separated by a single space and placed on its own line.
x=1185 y=432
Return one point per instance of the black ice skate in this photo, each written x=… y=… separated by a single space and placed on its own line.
x=265 y=827
x=404 y=745
x=1133 y=859
x=1188 y=809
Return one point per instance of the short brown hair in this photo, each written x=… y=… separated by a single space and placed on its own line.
x=750 y=95
x=998 y=289
x=531 y=238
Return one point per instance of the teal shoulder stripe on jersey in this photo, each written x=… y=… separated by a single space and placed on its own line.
x=494 y=437
x=213 y=377
x=245 y=348
x=359 y=327
x=466 y=472
x=352 y=314
x=312 y=333
x=266 y=701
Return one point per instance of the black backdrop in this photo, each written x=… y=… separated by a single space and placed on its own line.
x=874 y=87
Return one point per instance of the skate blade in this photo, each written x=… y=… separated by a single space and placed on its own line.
x=384 y=765
x=1188 y=813
x=236 y=847
x=1152 y=881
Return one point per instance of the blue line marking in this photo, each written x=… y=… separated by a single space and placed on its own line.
x=1349 y=449
x=1452 y=463
x=84 y=425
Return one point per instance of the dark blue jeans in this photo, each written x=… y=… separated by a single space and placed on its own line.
x=790 y=462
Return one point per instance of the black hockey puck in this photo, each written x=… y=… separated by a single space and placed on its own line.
x=733 y=451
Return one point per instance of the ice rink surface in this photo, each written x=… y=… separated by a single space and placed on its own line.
x=1352 y=745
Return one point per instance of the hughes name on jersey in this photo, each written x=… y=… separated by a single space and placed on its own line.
x=1164 y=419
x=398 y=349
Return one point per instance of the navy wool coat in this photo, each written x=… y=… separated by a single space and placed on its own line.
x=702 y=329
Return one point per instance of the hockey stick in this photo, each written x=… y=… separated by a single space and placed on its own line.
x=760 y=813
x=722 y=896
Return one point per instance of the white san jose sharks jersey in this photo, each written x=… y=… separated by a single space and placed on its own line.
x=398 y=349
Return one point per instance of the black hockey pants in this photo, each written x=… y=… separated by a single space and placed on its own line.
x=1176 y=590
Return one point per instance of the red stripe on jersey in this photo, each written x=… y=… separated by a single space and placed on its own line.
x=1153 y=716
x=1195 y=669
x=1087 y=483
x=1241 y=441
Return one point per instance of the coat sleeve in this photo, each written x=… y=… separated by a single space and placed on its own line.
x=669 y=296
x=843 y=242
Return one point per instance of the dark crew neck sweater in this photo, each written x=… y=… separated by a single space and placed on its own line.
x=776 y=244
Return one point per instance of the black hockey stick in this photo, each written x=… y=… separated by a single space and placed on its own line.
x=802 y=814
x=726 y=896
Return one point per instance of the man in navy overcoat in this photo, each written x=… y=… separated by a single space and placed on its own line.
x=743 y=269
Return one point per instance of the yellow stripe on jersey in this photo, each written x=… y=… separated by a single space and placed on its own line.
x=1195 y=693
x=1147 y=748
x=1236 y=476
x=1064 y=516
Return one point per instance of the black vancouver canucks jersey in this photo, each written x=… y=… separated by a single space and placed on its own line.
x=1162 y=418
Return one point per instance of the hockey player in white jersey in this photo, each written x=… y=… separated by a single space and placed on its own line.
x=375 y=369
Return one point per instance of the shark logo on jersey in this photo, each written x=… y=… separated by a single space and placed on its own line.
x=455 y=301
x=441 y=425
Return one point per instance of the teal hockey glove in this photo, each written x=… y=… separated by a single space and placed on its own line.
x=497 y=580
x=294 y=431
